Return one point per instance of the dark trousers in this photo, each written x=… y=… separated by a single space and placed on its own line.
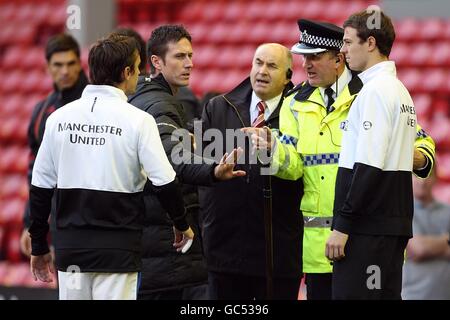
x=189 y=293
x=224 y=286
x=371 y=268
x=318 y=286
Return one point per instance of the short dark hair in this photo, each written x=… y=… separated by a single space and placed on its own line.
x=161 y=37
x=384 y=35
x=129 y=32
x=108 y=58
x=59 y=43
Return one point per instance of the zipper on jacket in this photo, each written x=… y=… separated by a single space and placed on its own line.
x=92 y=108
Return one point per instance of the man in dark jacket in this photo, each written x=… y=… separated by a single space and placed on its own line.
x=167 y=274
x=64 y=66
x=232 y=212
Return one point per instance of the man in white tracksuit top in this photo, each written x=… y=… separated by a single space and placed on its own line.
x=97 y=154
x=373 y=204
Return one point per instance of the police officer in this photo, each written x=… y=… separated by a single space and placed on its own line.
x=311 y=122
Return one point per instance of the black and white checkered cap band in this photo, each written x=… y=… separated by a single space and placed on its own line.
x=320 y=42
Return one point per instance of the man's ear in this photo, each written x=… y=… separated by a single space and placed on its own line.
x=126 y=73
x=372 y=43
x=156 y=61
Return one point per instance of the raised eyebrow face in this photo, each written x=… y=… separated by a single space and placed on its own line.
x=270 y=64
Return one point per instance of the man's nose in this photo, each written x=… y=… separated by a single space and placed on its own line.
x=189 y=63
x=65 y=69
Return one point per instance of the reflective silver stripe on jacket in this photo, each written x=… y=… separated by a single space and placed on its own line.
x=321 y=158
x=317 y=222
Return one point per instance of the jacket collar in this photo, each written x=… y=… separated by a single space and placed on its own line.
x=73 y=93
x=385 y=67
x=306 y=90
x=103 y=91
x=159 y=79
x=241 y=97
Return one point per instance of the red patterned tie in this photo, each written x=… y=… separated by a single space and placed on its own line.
x=259 y=122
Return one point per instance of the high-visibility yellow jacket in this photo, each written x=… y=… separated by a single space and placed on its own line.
x=309 y=146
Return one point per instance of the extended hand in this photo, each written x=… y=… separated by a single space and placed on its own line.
x=225 y=169
x=42 y=267
x=334 y=249
x=261 y=138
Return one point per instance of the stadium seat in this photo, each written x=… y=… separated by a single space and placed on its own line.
x=431 y=29
x=14 y=185
x=440 y=56
x=11 y=211
x=439 y=129
x=436 y=81
x=422 y=104
x=234 y=11
x=219 y=33
x=411 y=78
x=400 y=54
x=407 y=30
x=212 y=11
x=442 y=191
x=443 y=169
x=419 y=54
x=205 y=57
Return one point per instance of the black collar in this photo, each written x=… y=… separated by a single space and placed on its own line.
x=73 y=93
x=163 y=83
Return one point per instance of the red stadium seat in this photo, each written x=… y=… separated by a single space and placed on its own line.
x=284 y=32
x=13 y=81
x=419 y=54
x=13 y=58
x=191 y=12
x=336 y=12
x=11 y=211
x=32 y=82
x=219 y=33
x=205 y=57
x=199 y=32
x=400 y=53
x=443 y=169
x=33 y=58
x=307 y=10
x=212 y=11
x=442 y=191
x=439 y=129
x=234 y=11
x=441 y=106
x=411 y=78
x=407 y=30
x=8 y=11
x=436 y=81
x=431 y=29
x=440 y=56
x=422 y=104
x=258 y=32
x=14 y=186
